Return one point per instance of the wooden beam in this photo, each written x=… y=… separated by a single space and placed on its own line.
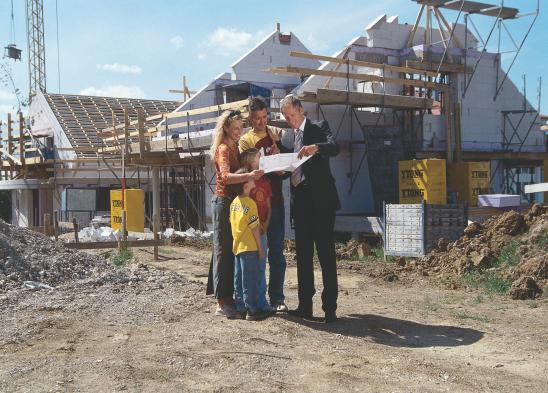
x=208 y=109
x=99 y=245
x=415 y=26
x=458 y=137
x=141 y=130
x=360 y=63
x=362 y=77
x=335 y=97
x=473 y=7
x=10 y=158
x=21 y=139
x=448 y=133
x=444 y=39
x=126 y=131
x=448 y=26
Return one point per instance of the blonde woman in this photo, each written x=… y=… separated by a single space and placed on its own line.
x=225 y=155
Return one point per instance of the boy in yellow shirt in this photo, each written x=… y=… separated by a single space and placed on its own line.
x=248 y=250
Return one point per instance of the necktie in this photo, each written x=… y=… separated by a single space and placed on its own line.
x=297 y=175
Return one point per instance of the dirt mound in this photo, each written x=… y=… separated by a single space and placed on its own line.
x=26 y=255
x=512 y=247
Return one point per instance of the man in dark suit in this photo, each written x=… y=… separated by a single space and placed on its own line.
x=315 y=202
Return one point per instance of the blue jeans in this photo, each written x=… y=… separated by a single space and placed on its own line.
x=246 y=281
x=276 y=258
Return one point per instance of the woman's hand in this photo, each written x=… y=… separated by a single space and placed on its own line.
x=256 y=174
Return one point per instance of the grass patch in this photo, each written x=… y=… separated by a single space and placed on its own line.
x=430 y=306
x=378 y=253
x=465 y=315
x=508 y=255
x=122 y=257
x=532 y=304
x=542 y=241
x=491 y=282
x=478 y=299
x=167 y=251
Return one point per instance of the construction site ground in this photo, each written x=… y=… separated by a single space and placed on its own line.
x=395 y=334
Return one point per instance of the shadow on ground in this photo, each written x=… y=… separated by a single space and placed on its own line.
x=396 y=332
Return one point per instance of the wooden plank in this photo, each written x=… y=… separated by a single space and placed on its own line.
x=448 y=27
x=533 y=188
x=129 y=243
x=21 y=139
x=11 y=159
x=473 y=7
x=362 y=77
x=329 y=96
x=141 y=129
x=208 y=109
x=448 y=133
x=360 y=63
x=414 y=29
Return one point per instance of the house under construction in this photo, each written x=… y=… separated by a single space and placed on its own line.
x=400 y=91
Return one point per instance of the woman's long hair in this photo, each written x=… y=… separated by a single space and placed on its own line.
x=224 y=121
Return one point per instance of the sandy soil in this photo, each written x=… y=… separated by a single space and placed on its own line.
x=408 y=335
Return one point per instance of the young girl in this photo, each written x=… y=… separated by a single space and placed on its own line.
x=261 y=194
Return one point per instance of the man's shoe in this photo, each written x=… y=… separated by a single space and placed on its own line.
x=237 y=314
x=258 y=315
x=330 y=317
x=282 y=308
x=302 y=312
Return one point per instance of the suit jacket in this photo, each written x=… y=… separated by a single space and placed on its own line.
x=316 y=170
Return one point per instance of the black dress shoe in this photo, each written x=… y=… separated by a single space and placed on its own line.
x=330 y=317
x=302 y=312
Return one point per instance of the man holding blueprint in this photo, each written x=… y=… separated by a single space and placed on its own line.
x=315 y=202
x=284 y=162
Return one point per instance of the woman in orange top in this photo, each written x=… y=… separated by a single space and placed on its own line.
x=225 y=155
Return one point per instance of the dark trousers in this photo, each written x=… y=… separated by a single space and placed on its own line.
x=314 y=226
x=221 y=270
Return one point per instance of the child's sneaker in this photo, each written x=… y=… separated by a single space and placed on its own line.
x=282 y=308
x=226 y=311
x=258 y=315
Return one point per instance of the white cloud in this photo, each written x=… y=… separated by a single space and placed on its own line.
x=229 y=40
x=121 y=68
x=6 y=96
x=177 y=42
x=114 y=91
x=201 y=56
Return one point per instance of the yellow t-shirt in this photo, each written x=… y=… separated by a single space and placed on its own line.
x=251 y=138
x=243 y=218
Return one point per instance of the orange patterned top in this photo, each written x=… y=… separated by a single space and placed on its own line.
x=227 y=160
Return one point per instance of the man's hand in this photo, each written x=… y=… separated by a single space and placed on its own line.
x=256 y=174
x=274 y=149
x=309 y=150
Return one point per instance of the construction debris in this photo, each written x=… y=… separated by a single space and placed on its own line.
x=511 y=247
x=32 y=260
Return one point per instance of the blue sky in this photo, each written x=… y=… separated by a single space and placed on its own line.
x=142 y=48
